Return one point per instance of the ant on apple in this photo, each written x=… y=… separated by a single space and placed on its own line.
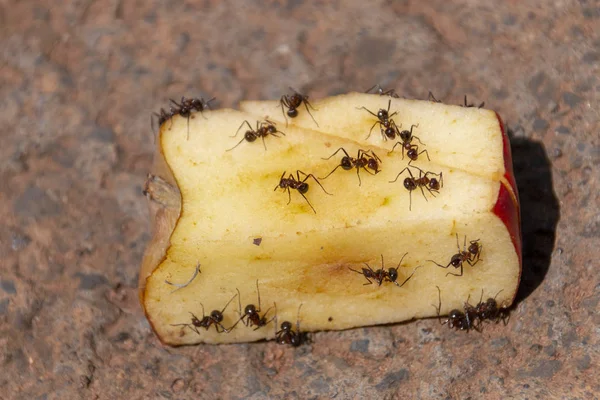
x=263 y=129
x=412 y=150
x=364 y=159
x=384 y=119
x=464 y=321
x=382 y=92
x=300 y=185
x=214 y=318
x=381 y=275
x=252 y=313
x=469 y=255
x=292 y=102
x=187 y=106
x=411 y=183
x=467 y=105
x=286 y=335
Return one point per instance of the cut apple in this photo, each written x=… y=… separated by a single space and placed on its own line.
x=244 y=214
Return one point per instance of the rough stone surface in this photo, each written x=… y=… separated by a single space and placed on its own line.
x=78 y=83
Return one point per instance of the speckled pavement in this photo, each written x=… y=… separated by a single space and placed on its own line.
x=78 y=83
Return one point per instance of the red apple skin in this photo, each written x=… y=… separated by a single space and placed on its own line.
x=507 y=207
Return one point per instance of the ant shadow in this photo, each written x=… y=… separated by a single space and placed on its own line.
x=540 y=211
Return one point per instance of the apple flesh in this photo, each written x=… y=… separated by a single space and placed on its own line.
x=231 y=221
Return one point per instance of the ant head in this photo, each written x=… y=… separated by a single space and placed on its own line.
x=491 y=303
x=412 y=153
x=456 y=314
x=296 y=340
x=303 y=187
x=271 y=128
x=286 y=326
x=382 y=114
x=250 y=136
x=390 y=132
x=393 y=274
x=292 y=113
x=216 y=316
x=456 y=260
x=346 y=163
x=250 y=309
x=409 y=184
x=434 y=184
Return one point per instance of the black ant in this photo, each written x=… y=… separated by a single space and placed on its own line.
x=472 y=105
x=381 y=275
x=292 y=102
x=286 y=335
x=300 y=185
x=214 y=318
x=464 y=321
x=432 y=185
x=379 y=90
x=263 y=129
x=384 y=119
x=412 y=150
x=162 y=117
x=469 y=255
x=187 y=106
x=252 y=313
x=489 y=310
x=364 y=159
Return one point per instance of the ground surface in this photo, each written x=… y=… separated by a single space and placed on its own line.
x=77 y=86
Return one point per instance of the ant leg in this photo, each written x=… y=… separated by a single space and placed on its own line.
x=263 y=140
x=337 y=151
x=373 y=126
x=391 y=151
x=358 y=175
x=188 y=127
x=238 y=130
x=298 y=319
x=283 y=102
x=373 y=87
x=407 y=279
x=315 y=179
x=315 y=211
x=423 y=192
x=306 y=105
x=369 y=111
x=331 y=172
x=440 y=265
x=400 y=173
x=426 y=153
x=439 y=307
x=416 y=137
x=432 y=98
x=240 y=142
x=410 y=201
x=461 y=272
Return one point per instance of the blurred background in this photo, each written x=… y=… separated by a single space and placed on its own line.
x=79 y=81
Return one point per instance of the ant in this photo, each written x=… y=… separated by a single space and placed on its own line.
x=252 y=313
x=214 y=318
x=472 y=105
x=286 y=335
x=412 y=150
x=162 y=117
x=292 y=102
x=379 y=90
x=432 y=185
x=469 y=255
x=263 y=129
x=187 y=106
x=384 y=119
x=364 y=159
x=464 y=321
x=381 y=275
x=300 y=185
x=490 y=311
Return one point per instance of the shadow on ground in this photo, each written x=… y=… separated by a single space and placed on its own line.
x=539 y=211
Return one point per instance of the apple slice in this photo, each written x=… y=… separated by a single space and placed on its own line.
x=234 y=221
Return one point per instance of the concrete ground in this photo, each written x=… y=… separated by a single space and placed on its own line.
x=78 y=83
